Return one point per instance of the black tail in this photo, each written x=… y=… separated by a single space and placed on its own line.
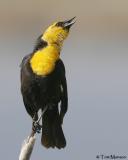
x=52 y=133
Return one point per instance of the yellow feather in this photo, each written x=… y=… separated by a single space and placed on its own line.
x=55 y=34
x=43 y=61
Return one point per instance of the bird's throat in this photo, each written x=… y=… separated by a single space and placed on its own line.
x=43 y=61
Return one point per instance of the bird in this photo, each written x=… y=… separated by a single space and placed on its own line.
x=44 y=84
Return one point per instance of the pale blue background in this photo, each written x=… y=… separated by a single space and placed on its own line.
x=96 y=59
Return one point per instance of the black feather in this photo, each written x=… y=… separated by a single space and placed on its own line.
x=41 y=91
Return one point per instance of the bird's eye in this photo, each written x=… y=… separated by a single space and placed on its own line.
x=59 y=24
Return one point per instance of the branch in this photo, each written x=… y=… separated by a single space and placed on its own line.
x=28 y=144
x=27 y=147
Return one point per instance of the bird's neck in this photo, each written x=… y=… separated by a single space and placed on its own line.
x=43 y=61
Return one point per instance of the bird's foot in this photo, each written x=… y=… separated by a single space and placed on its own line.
x=36 y=127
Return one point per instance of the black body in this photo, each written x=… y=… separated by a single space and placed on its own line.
x=41 y=91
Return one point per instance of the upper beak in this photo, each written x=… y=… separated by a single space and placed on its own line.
x=68 y=23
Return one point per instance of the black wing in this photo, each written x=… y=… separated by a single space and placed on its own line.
x=27 y=87
x=64 y=92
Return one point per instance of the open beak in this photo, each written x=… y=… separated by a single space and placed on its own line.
x=67 y=24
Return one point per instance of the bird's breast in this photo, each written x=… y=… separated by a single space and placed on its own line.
x=43 y=61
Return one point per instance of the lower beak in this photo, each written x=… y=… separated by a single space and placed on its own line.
x=67 y=24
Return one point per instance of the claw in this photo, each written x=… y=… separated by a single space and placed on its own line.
x=36 y=127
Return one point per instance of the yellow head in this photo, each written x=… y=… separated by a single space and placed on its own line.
x=47 y=49
x=57 y=32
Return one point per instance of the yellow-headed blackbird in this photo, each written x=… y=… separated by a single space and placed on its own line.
x=43 y=83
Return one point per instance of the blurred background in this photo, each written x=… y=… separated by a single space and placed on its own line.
x=96 y=59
